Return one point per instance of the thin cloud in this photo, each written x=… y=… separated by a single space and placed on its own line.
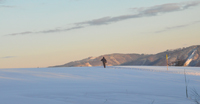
x=46 y=31
x=108 y=20
x=140 y=12
x=22 y=33
x=143 y=12
x=60 y=30
x=6 y=6
x=177 y=27
x=6 y=57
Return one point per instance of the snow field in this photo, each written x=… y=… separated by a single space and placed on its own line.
x=96 y=85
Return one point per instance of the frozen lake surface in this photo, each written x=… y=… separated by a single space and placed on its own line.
x=96 y=85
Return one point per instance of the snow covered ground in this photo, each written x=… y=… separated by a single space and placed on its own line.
x=96 y=85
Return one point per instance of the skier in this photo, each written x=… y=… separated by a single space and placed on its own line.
x=104 y=62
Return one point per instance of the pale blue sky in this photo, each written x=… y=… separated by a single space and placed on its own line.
x=41 y=33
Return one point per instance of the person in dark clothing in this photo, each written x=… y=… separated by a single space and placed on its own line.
x=104 y=62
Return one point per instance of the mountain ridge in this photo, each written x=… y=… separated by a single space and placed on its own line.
x=158 y=59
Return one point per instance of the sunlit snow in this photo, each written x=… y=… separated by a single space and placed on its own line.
x=96 y=85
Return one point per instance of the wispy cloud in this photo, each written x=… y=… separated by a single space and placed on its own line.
x=6 y=6
x=140 y=12
x=60 y=30
x=46 y=31
x=177 y=27
x=6 y=57
x=143 y=12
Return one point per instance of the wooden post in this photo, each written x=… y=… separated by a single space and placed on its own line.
x=167 y=61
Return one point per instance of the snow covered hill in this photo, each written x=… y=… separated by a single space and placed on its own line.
x=96 y=85
x=158 y=59
x=190 y=58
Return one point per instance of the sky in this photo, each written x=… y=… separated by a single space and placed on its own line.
x=42 y=33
